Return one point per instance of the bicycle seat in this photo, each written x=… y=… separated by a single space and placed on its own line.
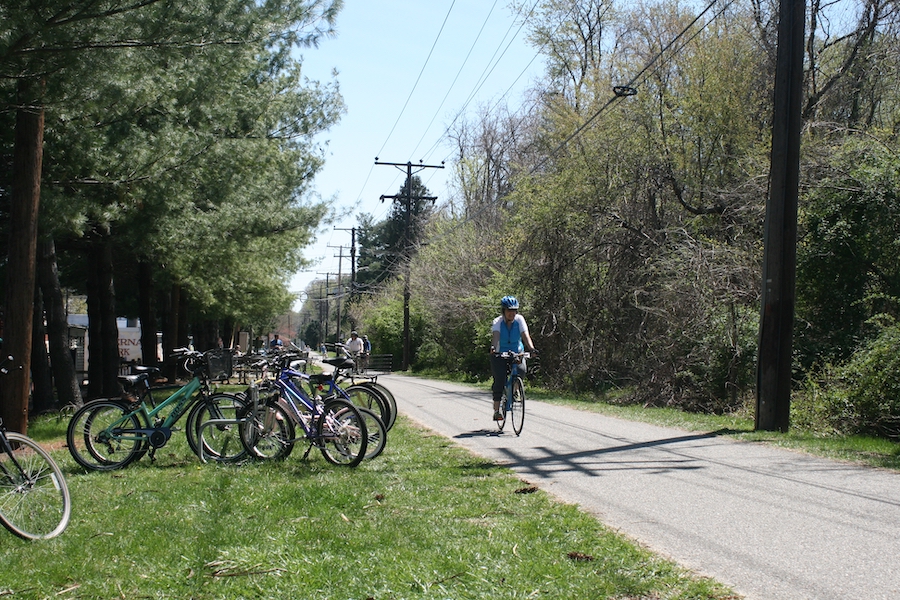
x=133 y=380
x=339 y=362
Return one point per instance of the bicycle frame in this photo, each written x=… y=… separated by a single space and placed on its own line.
x=179 y=402
x=292 y=395
x=5 y=448
x=513 y=359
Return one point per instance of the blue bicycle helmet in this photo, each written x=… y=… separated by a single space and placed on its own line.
x=509 y=302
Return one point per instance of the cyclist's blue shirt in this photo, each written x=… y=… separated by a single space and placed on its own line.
x=510 y=334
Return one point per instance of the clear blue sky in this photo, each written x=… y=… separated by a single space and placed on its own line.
x=380 y=52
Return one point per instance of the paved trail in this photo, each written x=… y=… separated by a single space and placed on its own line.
x=773 y=524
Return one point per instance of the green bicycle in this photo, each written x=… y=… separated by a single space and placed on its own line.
x=110 y=434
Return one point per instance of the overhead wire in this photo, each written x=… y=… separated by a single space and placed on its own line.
x=408 y=98
x=482 y=79
x=415 y=85
x=455 y=79
x=488 y=69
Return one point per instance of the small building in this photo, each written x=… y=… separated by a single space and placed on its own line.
x=129 y=341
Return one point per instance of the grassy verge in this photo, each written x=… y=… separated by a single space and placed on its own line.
x=425 y=520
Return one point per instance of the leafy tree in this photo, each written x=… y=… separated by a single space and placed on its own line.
x=157 y=118
x=847 y=271
x=385 y=245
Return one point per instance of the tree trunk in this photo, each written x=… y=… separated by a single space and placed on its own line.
x=147 y=309
x=92 y=351
x=24 y=203
x=170 y=329
x=68 y=391
x=110 y=331
x=103 y=365
x=41 y=378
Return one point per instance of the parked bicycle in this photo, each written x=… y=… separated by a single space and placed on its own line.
x=514 y=400
x=366 y=399
x=383 y=403
x=34 y=498
x=111 y=433
x=333 y=425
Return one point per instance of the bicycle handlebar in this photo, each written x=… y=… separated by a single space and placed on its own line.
x=508 y=355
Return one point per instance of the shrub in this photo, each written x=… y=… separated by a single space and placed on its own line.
x=861 y=396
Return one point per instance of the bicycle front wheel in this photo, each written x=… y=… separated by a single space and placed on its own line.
x=104 y=435
x=34 y=498
x=518 y=405
x=341 y=434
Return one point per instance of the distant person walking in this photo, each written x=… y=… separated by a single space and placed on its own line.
x=366 y=352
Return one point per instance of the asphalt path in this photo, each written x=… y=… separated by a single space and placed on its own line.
x=772 y=524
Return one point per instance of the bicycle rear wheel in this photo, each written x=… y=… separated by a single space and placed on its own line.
x=391 y=402
x=269 y=433
x=376 y=432
x=518 y=405
x=34 y=498
x=341 y=434
x=220 y=441
x=103 y=435
x=364 y=396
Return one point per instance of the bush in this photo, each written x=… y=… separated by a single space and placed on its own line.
x=861 y=396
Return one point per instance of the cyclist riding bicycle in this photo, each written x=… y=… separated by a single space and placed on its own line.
x=354 y=348
x=508 y=332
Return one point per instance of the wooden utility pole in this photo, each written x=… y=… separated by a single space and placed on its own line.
x=773 y=391
x=407 y=245
x=339 y=295
x=352 y=231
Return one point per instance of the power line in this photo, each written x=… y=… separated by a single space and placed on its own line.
x=408 y=98
x=630 y=85
x=461 y=67
x=482 y=79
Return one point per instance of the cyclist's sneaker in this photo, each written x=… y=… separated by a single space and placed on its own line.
x=498 y=416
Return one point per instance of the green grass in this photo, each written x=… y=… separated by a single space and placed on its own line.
x=427 y=519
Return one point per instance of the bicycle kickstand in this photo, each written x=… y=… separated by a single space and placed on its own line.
x=308 y=450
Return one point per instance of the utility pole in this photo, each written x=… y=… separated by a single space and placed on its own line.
x=325 y=298
x=408 y=197
x=773 y=377
x=352 y=231
x=338 y=294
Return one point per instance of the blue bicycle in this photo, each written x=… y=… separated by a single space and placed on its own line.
x=514 y=403
x=332 y=424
